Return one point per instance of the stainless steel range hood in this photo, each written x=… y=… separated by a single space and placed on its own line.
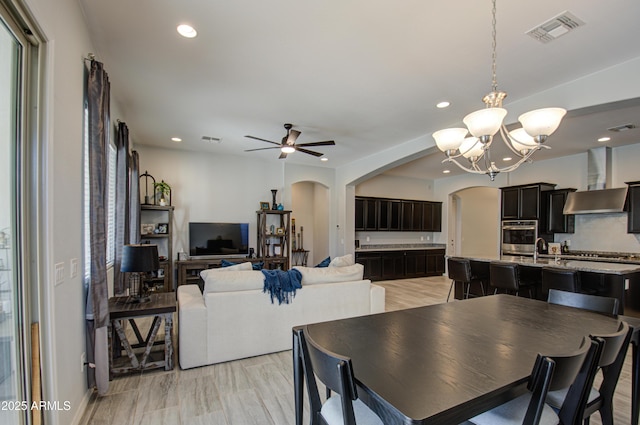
x=598 y=199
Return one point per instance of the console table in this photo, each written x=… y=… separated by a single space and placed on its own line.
x=161 y=306
x=189 y=270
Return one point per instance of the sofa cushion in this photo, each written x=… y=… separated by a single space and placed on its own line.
x=345 y=260
x=234 y=280
x=235 y=267
x=314 y=275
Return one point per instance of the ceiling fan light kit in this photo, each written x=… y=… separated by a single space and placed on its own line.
x=288 y=144
x=485 y=123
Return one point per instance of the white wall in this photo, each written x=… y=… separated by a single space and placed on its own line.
x=209 y=187
x=479 y=221
x=310 y=204
x=320 y=247
x=62 y=325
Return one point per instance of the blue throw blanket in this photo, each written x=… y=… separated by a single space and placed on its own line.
x=281 y=284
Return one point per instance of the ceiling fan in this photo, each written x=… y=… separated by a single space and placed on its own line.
x=289 y=145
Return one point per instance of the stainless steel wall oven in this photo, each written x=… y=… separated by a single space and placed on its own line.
x=519 y=237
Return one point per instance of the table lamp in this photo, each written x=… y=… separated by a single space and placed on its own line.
x=139 y=260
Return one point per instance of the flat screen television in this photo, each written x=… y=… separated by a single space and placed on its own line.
x=214 y=240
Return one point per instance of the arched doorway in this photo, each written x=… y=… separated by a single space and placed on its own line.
x=310 y=202
x=474 y=222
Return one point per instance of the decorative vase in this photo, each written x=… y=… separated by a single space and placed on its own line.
x=274 y=205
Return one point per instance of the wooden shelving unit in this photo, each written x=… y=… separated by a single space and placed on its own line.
x=155 y=214
x=274 y=258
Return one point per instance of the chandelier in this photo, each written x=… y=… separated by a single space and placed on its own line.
x=485 y=123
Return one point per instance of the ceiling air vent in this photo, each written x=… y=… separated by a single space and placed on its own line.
x=555 y=27
x=623 y=127
x=211 y=139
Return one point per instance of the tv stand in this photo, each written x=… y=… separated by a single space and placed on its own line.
x=189 y=270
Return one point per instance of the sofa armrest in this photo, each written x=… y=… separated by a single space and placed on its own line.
x=192 y=327
x=377 y=299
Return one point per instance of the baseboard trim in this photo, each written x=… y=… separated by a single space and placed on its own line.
x=83 y=414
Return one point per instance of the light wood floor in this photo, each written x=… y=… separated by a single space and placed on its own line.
x=257 y=390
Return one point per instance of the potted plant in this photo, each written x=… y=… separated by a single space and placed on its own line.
x=163 y=190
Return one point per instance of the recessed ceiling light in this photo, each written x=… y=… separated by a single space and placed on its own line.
x=442 y=104
x=187 y=31
x=507 y=158
x=604 y=139
x=446 y=171
x=324 y=159
x=176 y=139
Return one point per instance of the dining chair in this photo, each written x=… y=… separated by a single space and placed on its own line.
x=506 y=276
x=610 y=362
x=562 y=279
x=336 y=373
x=460 y=271
x=606 y=305
x=550 y=373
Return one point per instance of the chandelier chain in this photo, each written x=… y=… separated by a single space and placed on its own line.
x=494 y=80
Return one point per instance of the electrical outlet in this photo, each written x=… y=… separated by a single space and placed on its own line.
x=83 y=361
x=74 y=268
x=59 y=274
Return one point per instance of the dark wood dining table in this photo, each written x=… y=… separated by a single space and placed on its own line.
x=445 y=363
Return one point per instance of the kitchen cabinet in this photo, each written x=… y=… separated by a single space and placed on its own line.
x=633 y=205
x=401 y=264
x=524 y=202
x=382 y=214
x=389 y=214
x=556 y=221
x=366 y=214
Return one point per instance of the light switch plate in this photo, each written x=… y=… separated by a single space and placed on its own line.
x=74 y=268
x=59 y=273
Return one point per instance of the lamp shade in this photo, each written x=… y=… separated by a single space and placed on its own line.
x=485 y=122
x=471 y=148
x=449 y=139
x=140 y=258
x=521 y=141
x=542 y=122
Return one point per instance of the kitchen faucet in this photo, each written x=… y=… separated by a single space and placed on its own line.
x=535 y=248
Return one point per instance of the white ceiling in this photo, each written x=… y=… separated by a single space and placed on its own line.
x=365 y=73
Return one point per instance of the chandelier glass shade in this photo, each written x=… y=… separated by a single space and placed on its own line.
x=484 y=124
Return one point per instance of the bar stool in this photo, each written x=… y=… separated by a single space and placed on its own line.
x=460 y=271
x=506 y=276
x=563 y=280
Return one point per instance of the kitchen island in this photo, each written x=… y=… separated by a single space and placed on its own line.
x=401 y=261
x=611 y=279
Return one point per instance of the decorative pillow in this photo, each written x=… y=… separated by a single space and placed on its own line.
x=345 y=260
x=233 y=280
x=317 y=275
x=324 y=263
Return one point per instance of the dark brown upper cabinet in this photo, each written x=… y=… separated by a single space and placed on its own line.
x=397 y=215
x=524 y=202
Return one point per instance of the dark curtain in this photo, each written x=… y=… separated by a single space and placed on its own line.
x=123 y=204
x=97 y=311
x=134 y=217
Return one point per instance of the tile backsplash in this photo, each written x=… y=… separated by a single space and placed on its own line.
x=601 y=232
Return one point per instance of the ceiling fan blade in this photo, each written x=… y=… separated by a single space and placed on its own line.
x=262 y=140
x=308 y=151
x=326 y=143
x=283 y=155
x=293 y=135
x=261 y=149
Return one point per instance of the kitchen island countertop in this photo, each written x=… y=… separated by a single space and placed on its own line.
x=585 y=266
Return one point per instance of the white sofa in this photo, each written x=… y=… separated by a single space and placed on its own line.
x=234 y=319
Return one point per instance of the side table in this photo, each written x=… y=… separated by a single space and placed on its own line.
x=160 y=306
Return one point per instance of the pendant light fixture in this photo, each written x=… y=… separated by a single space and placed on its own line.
x=485 y=123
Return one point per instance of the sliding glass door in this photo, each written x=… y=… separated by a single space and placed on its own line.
x=12 y=344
